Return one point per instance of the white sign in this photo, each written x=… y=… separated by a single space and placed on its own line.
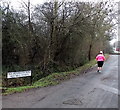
x=18 y=74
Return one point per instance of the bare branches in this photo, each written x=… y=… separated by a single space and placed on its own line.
x=59 y=34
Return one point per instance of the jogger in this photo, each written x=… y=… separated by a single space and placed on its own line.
x=100 y=60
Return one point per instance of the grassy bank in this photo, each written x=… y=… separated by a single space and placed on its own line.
x=54 y=78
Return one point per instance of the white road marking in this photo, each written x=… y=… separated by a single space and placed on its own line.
x=109 y=89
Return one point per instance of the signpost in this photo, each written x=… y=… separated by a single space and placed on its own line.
x=19 y=74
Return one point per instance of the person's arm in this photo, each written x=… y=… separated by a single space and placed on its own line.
x=97 y=57
x=104 y=58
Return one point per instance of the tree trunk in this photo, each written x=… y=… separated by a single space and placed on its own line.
x=52 y=43
x=89 y=52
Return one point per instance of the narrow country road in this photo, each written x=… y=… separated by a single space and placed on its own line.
x=91 y=90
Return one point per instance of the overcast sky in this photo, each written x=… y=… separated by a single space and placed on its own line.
x=17 y=3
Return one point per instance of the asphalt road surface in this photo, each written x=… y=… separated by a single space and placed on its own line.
x=91 y=90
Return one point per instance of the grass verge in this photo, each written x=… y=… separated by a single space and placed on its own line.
x=54 y=78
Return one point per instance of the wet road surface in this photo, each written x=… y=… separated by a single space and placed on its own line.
x=91 y=90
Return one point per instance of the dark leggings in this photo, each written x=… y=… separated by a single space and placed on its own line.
x=100 y=63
